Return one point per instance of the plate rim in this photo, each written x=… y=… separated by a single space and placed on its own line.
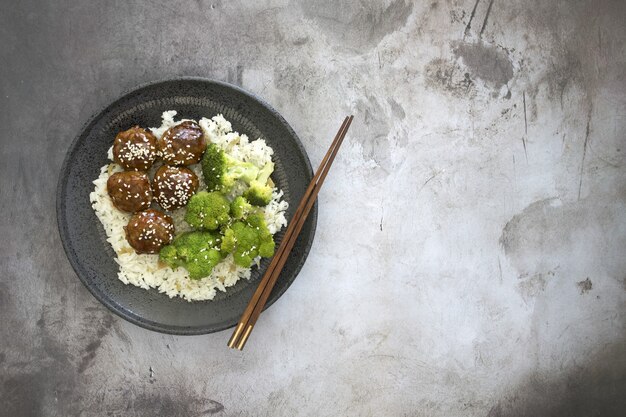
x=110 y=303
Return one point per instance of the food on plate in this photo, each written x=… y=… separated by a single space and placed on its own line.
x=212 y=235
x=182 y=144
x=130 y=190
x=135 y=149
x=248 y=239
x=240 y=208
x=208 y=211
x=173 y=186
x=148 y=231
x=260 y=191
x=198 y=252
x=221 y=171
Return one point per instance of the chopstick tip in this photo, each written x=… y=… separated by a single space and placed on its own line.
x=234 y=338
x=244 y=338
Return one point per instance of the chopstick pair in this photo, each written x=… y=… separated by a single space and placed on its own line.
x=262 y=293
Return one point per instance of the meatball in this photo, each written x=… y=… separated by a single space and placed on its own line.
x=182 y=144
x=174 y=186
x=148 y=231
x=135 y=149
x=130 y=190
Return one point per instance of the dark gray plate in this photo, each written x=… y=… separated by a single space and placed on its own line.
x=83 y=236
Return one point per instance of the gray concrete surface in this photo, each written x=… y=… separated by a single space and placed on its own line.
x=471 y=250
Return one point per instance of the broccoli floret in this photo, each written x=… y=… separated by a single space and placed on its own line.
x=228 y=242
x=248 y=239
x=222 y=171
x=260 y=191
x=266 y=240
x=198 y=252
x=203 y=265
x=240 y=208
x=168 y=255
x=246 y=244
x=207 y=211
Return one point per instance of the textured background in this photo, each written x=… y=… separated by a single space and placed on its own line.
x=471 y=249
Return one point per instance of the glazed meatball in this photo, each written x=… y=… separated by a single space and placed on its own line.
x=174 y=186
x=135 y=149
x=130 y=190
x=148 y=231
x=182 y=144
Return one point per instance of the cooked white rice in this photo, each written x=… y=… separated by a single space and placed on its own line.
x=146 y=271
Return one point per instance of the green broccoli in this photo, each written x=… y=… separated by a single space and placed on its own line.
x=169 y=255
x=229 y=241
x=246 y=244
x=266 y=241
x=198 y=252
x=248 y=239
x=222 y=171
x=240 y=208
x=260 y=191
x=207 y=211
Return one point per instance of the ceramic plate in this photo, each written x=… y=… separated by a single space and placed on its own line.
x=84 y=238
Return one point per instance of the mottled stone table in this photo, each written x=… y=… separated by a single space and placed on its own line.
x=470 y=258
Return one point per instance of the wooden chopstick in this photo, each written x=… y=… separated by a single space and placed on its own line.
x=262 y=293
x=284 y=255
x=233 y=342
